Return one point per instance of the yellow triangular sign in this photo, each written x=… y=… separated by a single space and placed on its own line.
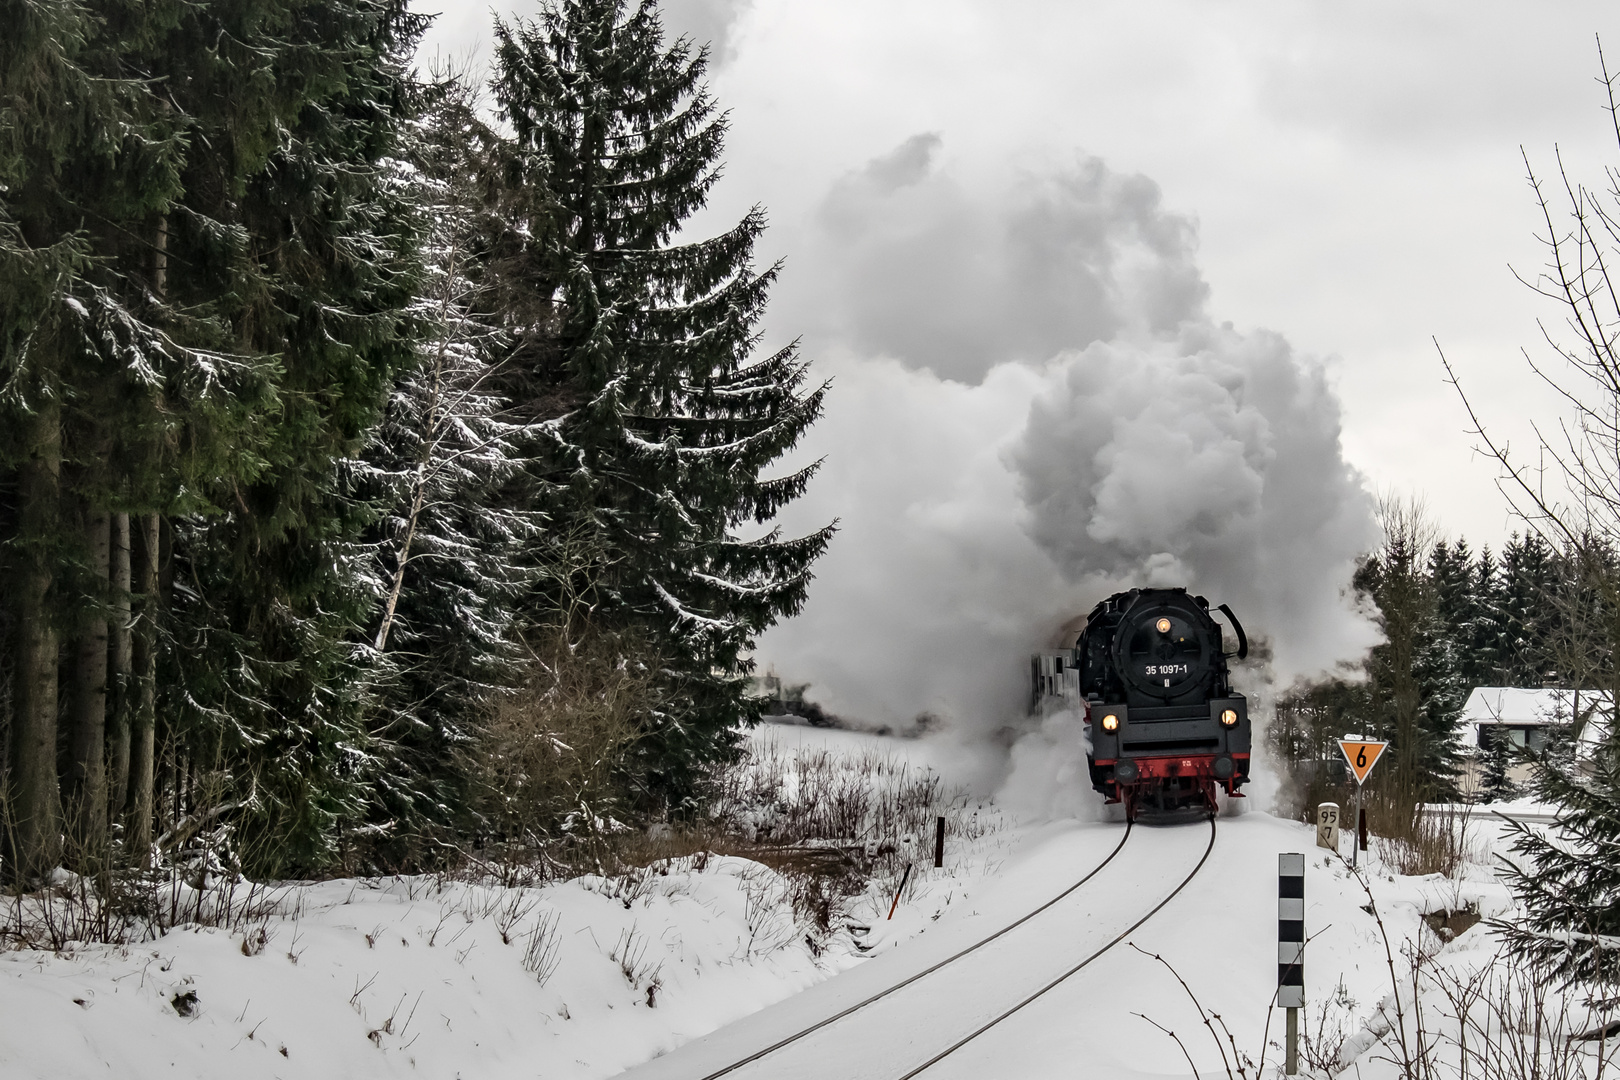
x=1362 y=755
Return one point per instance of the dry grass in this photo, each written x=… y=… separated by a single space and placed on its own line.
x=824 y=826
x=829 y=825
x=548 y=768
x=1412 y=842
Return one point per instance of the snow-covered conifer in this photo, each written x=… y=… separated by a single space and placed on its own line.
x=1496 y=759
x=295 y=236
x=450 y=550
x=1567 y=877
x=635 y=352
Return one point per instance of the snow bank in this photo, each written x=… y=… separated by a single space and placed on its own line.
x=441 y=977
x=422 y=975
x=586 y=978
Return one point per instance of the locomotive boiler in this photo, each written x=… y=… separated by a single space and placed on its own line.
x=1149 y=672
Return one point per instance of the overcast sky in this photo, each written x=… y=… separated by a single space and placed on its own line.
x=957 y=184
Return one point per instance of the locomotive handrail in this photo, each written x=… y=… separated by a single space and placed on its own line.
x=771 y=1049
x=1243 y=639
x=943 y=1054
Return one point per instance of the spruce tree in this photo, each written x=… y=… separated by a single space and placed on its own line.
x=1415 y=693
x=100 y=377
x=450 y=549
x=1440 y=666
x=298 y=111
x=1485 y=642
x=1443 y=691
x=1568 y=877
x=635 y=352
x=1495 y=783
x=1458 y=606
x=1528 y=606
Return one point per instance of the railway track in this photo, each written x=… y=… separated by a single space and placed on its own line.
x=858 y=1022
x=1123 y=934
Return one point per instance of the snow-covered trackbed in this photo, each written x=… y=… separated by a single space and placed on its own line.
x=905 y=1012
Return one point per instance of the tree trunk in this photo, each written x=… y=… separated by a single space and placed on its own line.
x=34 y=797
x=87 y=768
x=142 y=707
x=143 y=719
x=121 y=685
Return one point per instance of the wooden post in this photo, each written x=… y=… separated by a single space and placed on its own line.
x=939 y=842
x=1361 y=830
x=1291 y=1057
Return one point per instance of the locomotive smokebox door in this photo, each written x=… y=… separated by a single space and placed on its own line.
x=1164 y=649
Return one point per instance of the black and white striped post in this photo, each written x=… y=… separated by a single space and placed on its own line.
x=1291 y=950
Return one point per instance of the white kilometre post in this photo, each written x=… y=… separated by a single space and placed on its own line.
x=1327 y=826
x=1291 y=950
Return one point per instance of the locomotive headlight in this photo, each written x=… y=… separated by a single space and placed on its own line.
x=1163 y=626
x=1229 y=717
x=1110 y=722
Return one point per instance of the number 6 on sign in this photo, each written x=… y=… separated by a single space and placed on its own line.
x=1361 y=756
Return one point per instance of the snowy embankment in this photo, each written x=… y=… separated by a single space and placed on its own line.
x=586 y=978
x=445 y=978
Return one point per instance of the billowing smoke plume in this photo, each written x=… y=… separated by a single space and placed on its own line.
x=1031 y=409
x=914 y=267
x=1209 y=459
x=706 y=22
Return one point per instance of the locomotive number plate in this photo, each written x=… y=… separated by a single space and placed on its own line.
x=1167 y=669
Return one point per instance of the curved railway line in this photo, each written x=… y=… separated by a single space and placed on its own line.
x=1123 y=934
x=980 y=1029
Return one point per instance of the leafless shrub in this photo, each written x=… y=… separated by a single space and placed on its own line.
x=815 y=797
x=1413 y=841
x=1322 y=1043
x=540 y=954
x=512 y=911
x=193 y=878
x=548 y=766
x=1236 y=1063
x=630 y=953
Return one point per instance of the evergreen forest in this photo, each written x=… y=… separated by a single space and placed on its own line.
x=1452 y=619
x=386 y=476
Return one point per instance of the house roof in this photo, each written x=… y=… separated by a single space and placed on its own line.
x=1522 y=706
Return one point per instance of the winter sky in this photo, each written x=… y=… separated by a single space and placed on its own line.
x=1176 y=245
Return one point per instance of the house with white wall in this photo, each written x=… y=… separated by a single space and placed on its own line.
x=1525 y=716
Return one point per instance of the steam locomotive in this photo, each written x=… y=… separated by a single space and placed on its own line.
x=1149 y=673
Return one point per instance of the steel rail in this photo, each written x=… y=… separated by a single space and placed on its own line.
x=771 y=1049
x=942 y=1055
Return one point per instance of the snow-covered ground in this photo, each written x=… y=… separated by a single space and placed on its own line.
x=1220 y=935
x=438 y=977
x=702 y=959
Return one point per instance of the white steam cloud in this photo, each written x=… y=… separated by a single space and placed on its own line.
x=915 y=267
x=706 y=22
x=1032 y=409
x=1209 y=459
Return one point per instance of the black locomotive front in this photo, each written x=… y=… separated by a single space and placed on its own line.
x=1166 y=728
